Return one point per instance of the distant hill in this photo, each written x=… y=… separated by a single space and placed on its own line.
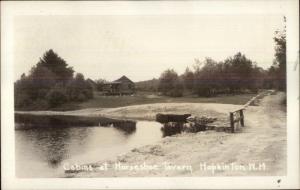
x=147 y=85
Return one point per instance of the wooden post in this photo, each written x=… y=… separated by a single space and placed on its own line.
x=231 y=122
x=242 y=118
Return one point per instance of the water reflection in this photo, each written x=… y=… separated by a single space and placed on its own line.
x=51 y=145
x=172 y=128
x=60 y=146
x=128 y=127
x=27 y=121
x=42 y=151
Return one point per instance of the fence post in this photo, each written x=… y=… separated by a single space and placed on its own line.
x=242 y=117
x=231 y=122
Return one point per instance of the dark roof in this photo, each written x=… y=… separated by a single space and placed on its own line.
x=123 y=79
x=90 y=81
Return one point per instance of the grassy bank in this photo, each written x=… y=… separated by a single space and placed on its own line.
x=140 y=98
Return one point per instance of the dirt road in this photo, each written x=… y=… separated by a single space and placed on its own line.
x=257 y=149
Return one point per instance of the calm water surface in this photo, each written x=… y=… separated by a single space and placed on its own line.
x=42 y=152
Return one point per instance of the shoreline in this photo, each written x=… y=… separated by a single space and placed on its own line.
x=146 y=111
x=258 y=149
x=262 y=142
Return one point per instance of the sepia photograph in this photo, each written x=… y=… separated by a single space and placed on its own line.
x=139 y=91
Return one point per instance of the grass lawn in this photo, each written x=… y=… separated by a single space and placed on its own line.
x=148 y=98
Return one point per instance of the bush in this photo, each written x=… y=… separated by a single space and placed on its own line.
x=203 y=91
x=79 y=89
x=170 y=84
x=175 y=93
x=22 y=100
x=56 y=97
x=40 y=104
x=88 y=92
x=81 y=97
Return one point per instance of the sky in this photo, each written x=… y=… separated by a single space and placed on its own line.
x=141 y=46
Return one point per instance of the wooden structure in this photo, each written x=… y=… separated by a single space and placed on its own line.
x=236 y=117
x=165 y=118
x=121 y=86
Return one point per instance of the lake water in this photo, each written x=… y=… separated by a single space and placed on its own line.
x=42 y=151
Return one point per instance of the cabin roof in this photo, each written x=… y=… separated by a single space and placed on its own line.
x=123 y=79
x=91 y=81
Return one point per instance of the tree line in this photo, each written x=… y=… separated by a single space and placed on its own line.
x=50 y=83
x=236 y=74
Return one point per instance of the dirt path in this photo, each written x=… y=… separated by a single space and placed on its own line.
x=257 y=149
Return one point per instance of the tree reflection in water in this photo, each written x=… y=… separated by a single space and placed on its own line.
x=52 y=135
x=172 y=128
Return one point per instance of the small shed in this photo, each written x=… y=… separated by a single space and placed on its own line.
x=121 y=86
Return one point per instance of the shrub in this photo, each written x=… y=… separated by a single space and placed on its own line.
x=39 y=104
x=56 y=97
x=81 y=97
x=203 y=91
x=170 y=84
x=175 y=93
